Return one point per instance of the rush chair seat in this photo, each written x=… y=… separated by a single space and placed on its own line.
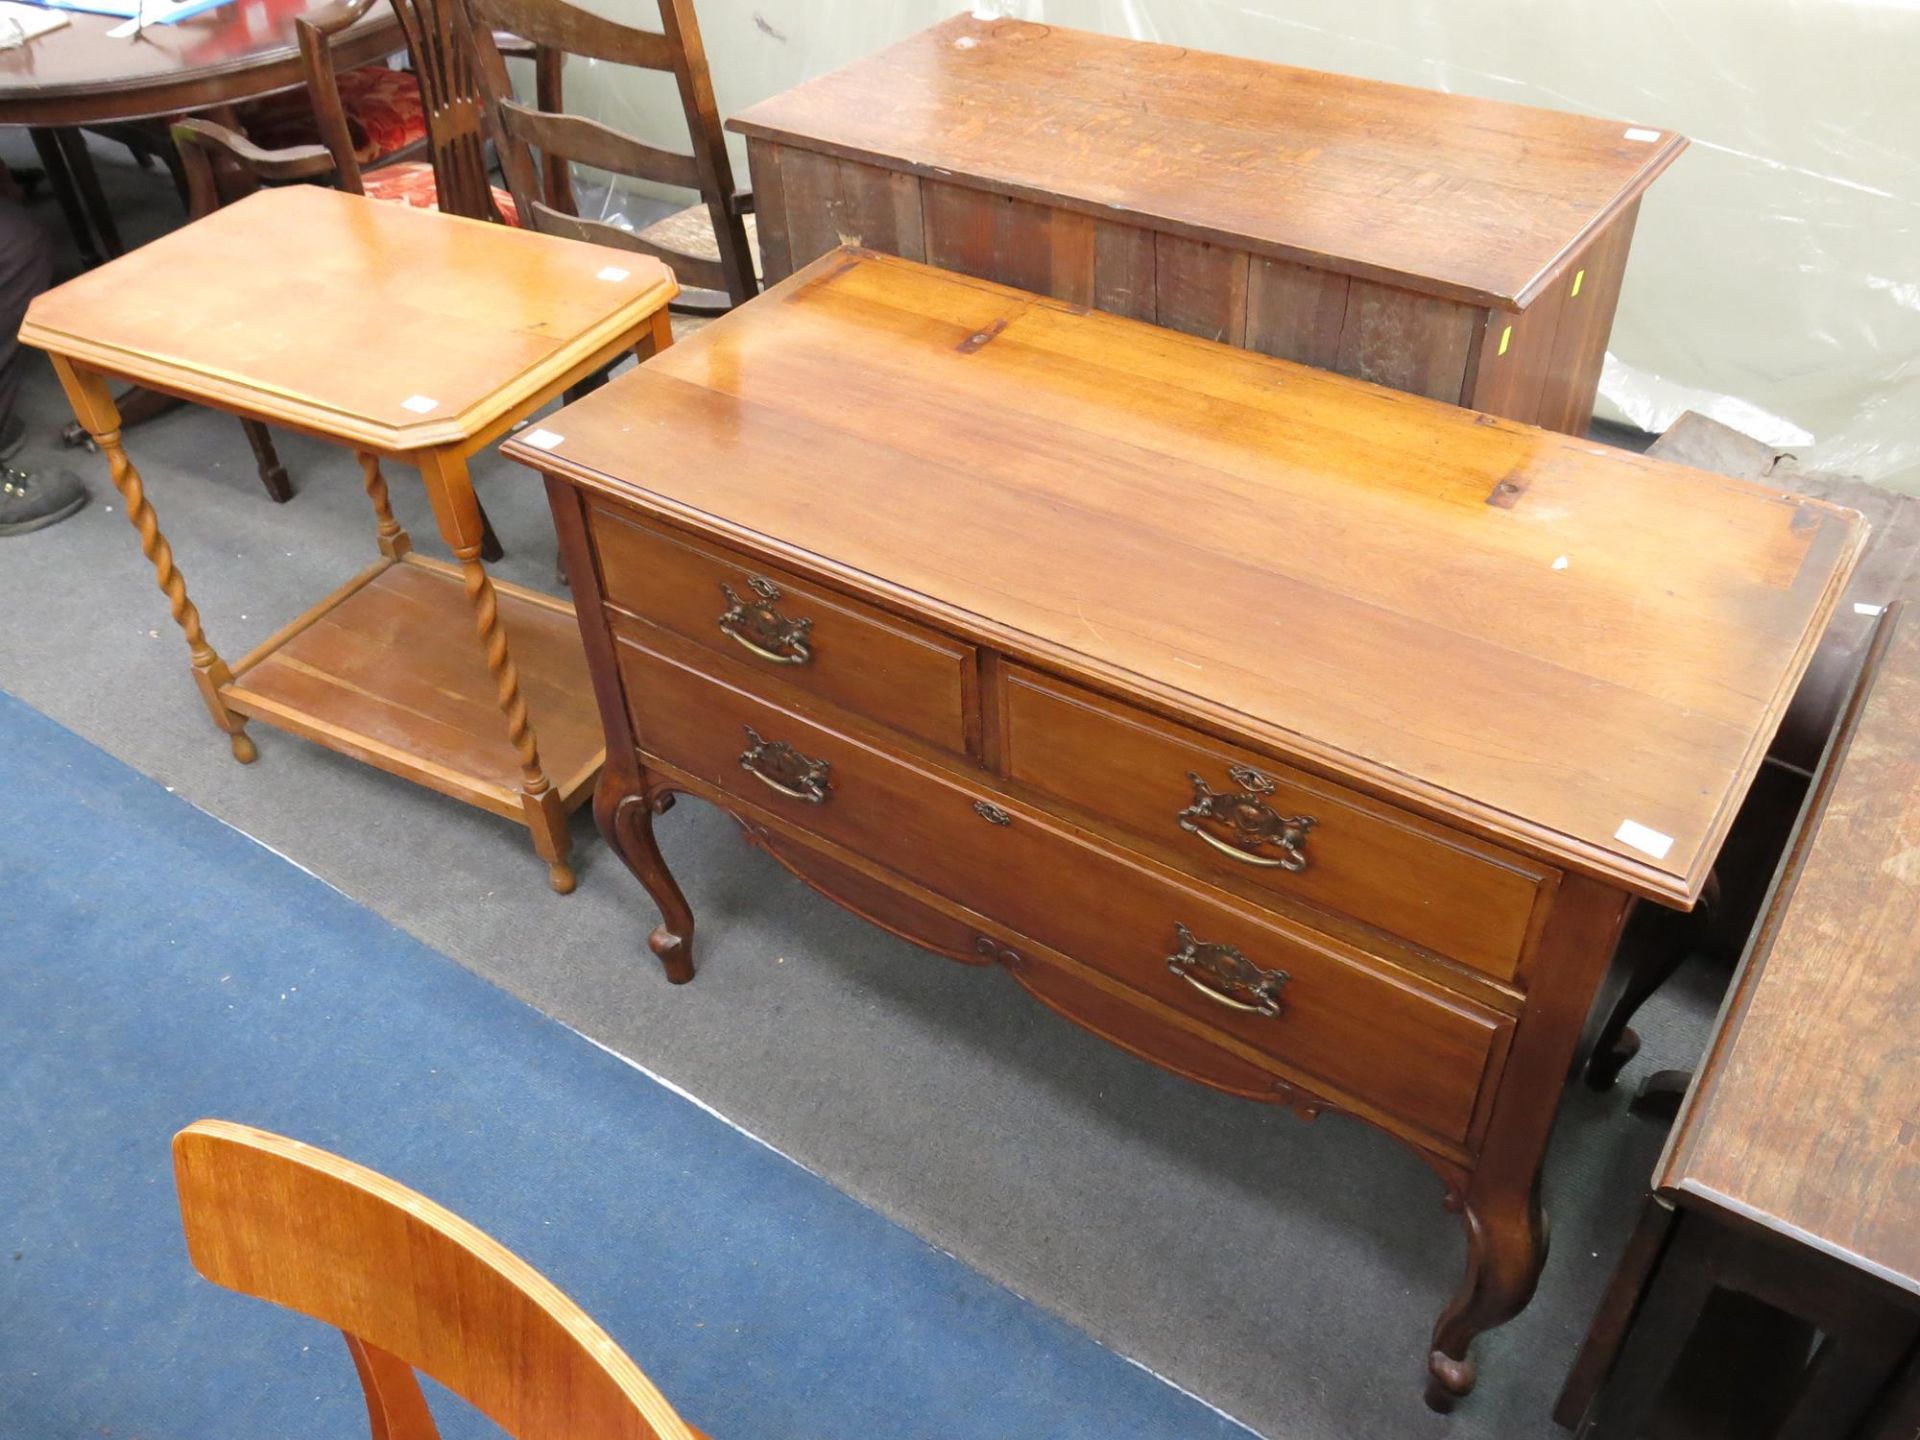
x=412 y=1287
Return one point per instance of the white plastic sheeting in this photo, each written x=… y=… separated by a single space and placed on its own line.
x=1775 y=278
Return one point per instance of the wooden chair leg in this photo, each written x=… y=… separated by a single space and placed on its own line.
x=66 y=192
x=396 y=1410
x=73 y=144
x=491 y=550
x=273 y=474
x=1655 y=943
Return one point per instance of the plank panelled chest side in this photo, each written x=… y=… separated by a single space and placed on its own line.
x=1288 y=760
x=1461 y=249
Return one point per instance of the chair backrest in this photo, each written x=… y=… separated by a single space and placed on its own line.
x=449 y=91
x=560 y=29
x=413 y=1286
x=222 y=166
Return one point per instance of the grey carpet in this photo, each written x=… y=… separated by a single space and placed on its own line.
x=1288 y=1273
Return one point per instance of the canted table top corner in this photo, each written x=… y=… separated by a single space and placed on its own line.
x=370 y=322
x=1474 y=199
x=1574 y=649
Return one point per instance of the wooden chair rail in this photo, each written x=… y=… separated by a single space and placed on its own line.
x=543 y=192
x=590 y=142
x=574 y=31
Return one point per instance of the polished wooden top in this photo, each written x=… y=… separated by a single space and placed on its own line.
x=1523 y=633
x=367 y=321
x=81 y=73
x=1445 y=194
x=1805 y=1117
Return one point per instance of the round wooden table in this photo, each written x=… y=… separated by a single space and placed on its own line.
x=80 y=75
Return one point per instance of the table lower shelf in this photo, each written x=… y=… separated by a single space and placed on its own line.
x=388 y=669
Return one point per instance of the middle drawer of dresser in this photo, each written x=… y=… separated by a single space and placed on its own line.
x=1376 y=1034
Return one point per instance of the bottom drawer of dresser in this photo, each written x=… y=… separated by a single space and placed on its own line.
x=1342 y=1020
x=1092 y=1000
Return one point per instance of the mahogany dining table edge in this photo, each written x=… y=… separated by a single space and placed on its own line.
x=146 y=98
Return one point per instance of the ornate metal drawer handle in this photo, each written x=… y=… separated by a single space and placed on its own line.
x=757 y=626
x=779 y=766
x=1251 y=820
x=991 y=813
x=1215 y=969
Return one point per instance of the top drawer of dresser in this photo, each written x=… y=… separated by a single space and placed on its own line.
x=881 y=668
x=1225 y=813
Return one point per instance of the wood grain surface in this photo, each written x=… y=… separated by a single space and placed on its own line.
x=391 y=676
x=1353 y=1028
x=409 y=328
x=411 y=1285
x=1472 y=199
x=1805 y=1117
x=1527 y=636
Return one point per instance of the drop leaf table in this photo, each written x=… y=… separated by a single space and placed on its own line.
x=410 y=336
x=1792 y=1177
x=1308 y=738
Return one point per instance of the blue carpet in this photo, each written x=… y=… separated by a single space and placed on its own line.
x=157 y=966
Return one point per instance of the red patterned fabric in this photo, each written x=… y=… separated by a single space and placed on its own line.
x=412 y=184
x=384 y=113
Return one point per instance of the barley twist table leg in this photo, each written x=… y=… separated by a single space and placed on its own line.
x=394 y=541
x=457 y=510
x=94 y=407
x=546 y=816
x=506 y=678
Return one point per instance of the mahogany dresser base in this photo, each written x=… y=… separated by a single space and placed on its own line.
x=1038 y=638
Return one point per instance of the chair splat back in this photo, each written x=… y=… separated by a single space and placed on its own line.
x=449 y=91
x=558 y=29
x=411 y=1285
x=450 y=88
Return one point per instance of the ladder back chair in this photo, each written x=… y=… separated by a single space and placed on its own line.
x=715 y=256
x=412 y=1286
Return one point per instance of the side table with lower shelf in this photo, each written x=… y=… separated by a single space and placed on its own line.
x=1306 y=738
x=408 y=336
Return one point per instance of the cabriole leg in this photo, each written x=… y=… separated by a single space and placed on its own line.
x=1506 y=1229
x=624 y=813
x=1506 y=1250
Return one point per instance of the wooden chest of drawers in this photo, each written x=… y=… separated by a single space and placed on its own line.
x=1457 y=248
x=1302 y=737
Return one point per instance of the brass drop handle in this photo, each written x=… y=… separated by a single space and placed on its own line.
x=779 y=766
x=755 y=625
x=1251 y=822
x=1217 y=971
